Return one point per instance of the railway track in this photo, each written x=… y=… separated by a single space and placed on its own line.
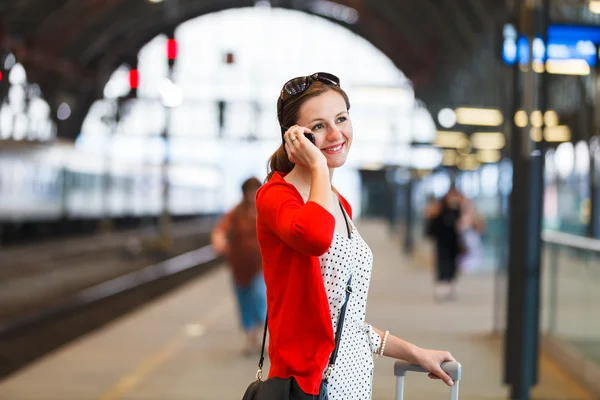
x=27 y=338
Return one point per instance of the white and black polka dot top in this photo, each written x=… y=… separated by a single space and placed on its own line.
x=353 y=373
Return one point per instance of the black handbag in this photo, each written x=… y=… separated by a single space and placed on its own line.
x=288 y=389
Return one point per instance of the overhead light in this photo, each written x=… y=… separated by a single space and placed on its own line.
x=9 y=61
x=63 y=112
x=155 y=1
x=488 y=156
x=449 y=158
x=521 y=119
x=467 y=162
x=536 y=119
x=463 y=146
x=535 y=134
x=488 y=140
x=447 y=117
x=568 y=67
x=17 y=75
x=450 y=139
x=594 y=7
x=564 y=159
x=560 y=133
x=550 y=118
x=582 y=157
x=479 y=116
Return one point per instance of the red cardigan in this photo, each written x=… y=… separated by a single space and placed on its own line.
x=292 y=235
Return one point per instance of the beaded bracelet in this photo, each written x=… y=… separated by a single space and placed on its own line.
x=383 y=342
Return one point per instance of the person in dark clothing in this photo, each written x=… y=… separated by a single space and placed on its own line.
x=444 y=224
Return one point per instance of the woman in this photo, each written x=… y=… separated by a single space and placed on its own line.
x=235 y=238
x=446 y=222
x=310 y=249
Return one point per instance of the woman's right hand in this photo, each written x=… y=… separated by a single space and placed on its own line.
x=300 y=150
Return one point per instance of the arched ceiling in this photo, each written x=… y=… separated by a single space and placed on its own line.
x=70 y=47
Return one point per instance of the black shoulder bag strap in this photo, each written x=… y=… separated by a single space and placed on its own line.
x=338 y=331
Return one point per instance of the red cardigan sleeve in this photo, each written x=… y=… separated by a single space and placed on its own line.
x=305 y=227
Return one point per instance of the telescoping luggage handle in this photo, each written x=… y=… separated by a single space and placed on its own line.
x=453 y=369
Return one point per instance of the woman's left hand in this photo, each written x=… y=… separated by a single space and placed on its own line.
x=431 y=360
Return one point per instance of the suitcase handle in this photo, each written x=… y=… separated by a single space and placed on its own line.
x=452 y=368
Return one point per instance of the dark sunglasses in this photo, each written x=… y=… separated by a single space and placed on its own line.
x=300 y=84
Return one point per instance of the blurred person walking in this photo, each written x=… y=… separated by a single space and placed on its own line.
x=234 y=237
x=473 y=226
x=444 y=225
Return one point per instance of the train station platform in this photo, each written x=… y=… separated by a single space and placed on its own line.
x=187 y=344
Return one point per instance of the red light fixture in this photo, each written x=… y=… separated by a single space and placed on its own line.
x=134 y=78
x=172 y=49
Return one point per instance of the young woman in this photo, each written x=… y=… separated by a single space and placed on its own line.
x=310 y=248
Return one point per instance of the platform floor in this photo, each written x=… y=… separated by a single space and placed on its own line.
x=186 y=345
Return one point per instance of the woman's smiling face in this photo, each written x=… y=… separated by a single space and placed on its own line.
x=327 y=117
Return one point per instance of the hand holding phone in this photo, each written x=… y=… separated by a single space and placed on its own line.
x=309 y=136
x=298 y=151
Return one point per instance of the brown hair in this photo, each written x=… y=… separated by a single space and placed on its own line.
x=279 y=161
x=250 y=184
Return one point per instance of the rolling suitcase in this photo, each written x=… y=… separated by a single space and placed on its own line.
x=453 y=369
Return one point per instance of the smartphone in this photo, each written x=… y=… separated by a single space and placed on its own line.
x=309 y=136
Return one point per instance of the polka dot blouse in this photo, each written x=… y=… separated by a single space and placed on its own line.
x=352 y=376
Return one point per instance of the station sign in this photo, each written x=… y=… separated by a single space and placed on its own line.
x=565 y=42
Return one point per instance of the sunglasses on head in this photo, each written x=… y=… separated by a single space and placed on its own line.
x=300 y=84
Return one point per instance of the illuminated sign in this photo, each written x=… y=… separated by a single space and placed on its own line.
x=565 y=42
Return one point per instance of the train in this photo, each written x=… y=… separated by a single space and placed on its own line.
x=54 y=188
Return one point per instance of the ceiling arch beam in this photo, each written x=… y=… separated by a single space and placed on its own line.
x=421 y=38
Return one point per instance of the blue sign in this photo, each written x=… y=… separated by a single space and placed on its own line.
x=565 y=42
